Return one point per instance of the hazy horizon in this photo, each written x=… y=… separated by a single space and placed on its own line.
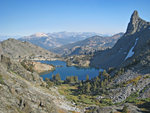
x=5 y=37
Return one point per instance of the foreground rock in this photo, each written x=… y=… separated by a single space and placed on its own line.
x=114 y=109
x=24 y=91
x=128 y=84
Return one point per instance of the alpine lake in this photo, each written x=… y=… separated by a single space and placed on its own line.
x=64 y=70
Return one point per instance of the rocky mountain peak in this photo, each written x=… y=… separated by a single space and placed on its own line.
x=136 y=24
x=135 y=15
x=128 y=47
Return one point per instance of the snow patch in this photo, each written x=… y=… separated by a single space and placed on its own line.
x=131 y=52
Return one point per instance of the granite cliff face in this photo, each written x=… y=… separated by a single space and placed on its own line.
x=131 y=47
x=136 y=24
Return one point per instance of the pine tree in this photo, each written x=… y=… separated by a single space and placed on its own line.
x=95 y=87
x=88 y=87
x=80 y=89
x=87 y=77
x=67 y=80
x=102 y=84
x=71 y=79
x=47 y=79
x=57 y=77
x=105 y=82
x=105 y=74
x=76 y=79
x=100 y=74
x=53 y=77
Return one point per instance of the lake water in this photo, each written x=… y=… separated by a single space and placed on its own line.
x=65 y=71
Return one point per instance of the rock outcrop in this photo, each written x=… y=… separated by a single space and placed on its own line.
x=38 y=66
x=114 y=109
x=130 y=83
x=136 y=24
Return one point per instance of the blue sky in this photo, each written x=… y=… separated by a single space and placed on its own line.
x=25 y=17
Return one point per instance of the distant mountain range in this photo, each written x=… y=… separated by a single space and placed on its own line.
x=88 y=45
x=53 y=40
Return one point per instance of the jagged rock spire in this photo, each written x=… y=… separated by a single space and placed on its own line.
x=134 y=16
x=135 y=24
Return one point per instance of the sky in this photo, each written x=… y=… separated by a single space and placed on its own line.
x=26 y=17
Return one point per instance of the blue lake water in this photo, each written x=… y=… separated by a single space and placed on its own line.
x=65 y=71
